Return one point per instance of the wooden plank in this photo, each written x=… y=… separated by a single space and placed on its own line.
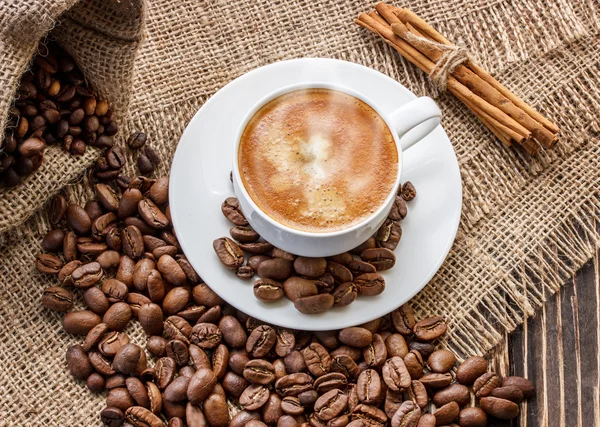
x=558 y=350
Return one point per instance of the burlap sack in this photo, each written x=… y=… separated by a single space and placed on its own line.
x=527 y=224
x=103 y=37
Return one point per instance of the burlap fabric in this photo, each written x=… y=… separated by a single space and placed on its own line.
x=103 y=37
x=527 y=224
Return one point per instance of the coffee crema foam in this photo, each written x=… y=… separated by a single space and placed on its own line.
x=317 y=160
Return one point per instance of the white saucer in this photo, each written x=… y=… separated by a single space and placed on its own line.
x=199 y=182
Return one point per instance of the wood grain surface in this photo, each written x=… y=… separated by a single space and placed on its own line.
x=558 y=350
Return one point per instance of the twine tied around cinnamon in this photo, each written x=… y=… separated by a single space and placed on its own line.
x=452 y=57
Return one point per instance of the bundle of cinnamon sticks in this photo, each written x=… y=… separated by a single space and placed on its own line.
x=511 y=119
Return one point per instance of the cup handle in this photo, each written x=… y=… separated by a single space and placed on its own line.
x=417 y=119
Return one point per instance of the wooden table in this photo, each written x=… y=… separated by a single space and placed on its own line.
x=558 y=350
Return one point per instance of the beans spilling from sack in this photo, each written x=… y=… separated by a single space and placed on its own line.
x=54 y=105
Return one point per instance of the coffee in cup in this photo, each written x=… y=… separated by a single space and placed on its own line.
x=318 y=160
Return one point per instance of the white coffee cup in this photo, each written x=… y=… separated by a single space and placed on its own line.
x=409 y=124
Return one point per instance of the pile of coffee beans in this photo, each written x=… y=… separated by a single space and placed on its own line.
x=313 y=284
x=207 y=364
x=53 y=105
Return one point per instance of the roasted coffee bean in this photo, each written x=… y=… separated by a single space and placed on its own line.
x=430 y=328
x=78 y=219
x=291 y=405
x=244 y=234
x=256 y=248
x=436 y=381
x=294 y=362
x=345 y=365
x=142 y=417
x=78 y=362
x=216 y=411
x=95 y=383
x=370 y=284
x=130 y=360
x=446 y=414
x=212 y=315
x=157 y=346
x=414 y=363
x=133 y=244
x=343 y=259
x=259 y=371
x=136 y=300
x=128 y=205
x=171 y=271
x=358 y=267
x=389 y=234
x=175 y=300
x=369 y=387
x=484 y=385
x=237 y=360
x=285 y=342
x=399 y=209
x=509 y=392
x=177 y=328
x=101 y=364
x=53 y=240
x=453 y=393
x=524 y=384
x=164 y=372
x=427 y=420
x=220 y=360
x=90 y=247
x=178 y=351
x=108 y=260
x=154 y=397
x=472 y=417
x=396 y=345
x=368 y=244
x=112 y=417
x=314 y=304
x=47 y=263
x=231 y=210
x=423 y=348
x=80 y=322
x=375 y=353
x=136 y=140
x=94 y=336
x=408 y=415
x=65 y=273
x=499 y=408
x=234 y=384
x=310 y=267
x=418 y=393
x=381 y=258
x=275 y=268
x=152 y=214
x=189 y=271
x=297 y=287
x=57 y=209
x=344 y=294
x=165 y=250
x=115 y=290
x=339 y=273
x=254 y=397
x=176 y=391
x=117 y=316
x=229 y=253
x=115 y=157
x=94 y=209
x=96 y=301
x=294 y=384
x=271 y=412
x=107 y=197
x=330 y=381
x=441 y=361
x=137 y=391
x=245 y=272
x=393 y=401
x=57 y=299
x=203 y=295
x=141 y=272
x=112 y=342
x=355 y=336
x=330 y=405
x=232 y=331
x=173 y=410
x=242 y=418
x=261 y=341
x=206 y=335
x=329 y=339
x=395 y=374
x=408 y=191
x=159 y=192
